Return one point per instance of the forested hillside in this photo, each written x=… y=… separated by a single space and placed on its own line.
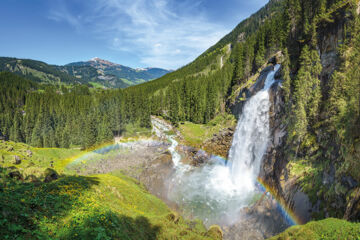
x=318 y=46
x=197 y=92
x=114 y=75
x=94 y=73
x=53 y=116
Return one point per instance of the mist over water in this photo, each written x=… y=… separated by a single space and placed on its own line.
x=218 y=190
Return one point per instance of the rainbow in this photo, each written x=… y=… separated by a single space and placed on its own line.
x=99 y=149
x=283 y=208
x=286 y=211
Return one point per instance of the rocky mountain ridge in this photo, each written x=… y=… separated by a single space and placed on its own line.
x=95 y=72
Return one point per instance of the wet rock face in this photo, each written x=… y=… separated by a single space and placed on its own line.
x=329 y=39
x=193 y=156
x=274 y=165
x=260 y=221
x=246 y=93
x=220 y=143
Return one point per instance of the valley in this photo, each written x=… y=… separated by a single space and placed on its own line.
x=257 y=138
x=96 y=72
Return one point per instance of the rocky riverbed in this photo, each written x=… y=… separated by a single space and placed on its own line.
x=151 y=163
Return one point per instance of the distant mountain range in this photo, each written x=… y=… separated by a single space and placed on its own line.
x=97 y=72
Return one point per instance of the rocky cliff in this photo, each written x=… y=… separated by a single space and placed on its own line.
x=311 y=190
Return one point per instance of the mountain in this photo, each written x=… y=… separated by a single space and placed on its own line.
x=113 y=74
x=37 y=71
x=96 y=72
x=311 y=165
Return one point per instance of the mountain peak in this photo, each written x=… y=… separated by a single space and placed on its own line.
x=102 y=61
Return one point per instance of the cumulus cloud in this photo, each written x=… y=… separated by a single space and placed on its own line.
x=161 y=33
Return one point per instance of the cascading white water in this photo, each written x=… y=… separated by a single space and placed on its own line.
x=216 y=192
x=160 y=128
x=251 y=136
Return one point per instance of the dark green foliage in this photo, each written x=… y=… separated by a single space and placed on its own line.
x=41 y=72
x=25 y=205
x=306 y=93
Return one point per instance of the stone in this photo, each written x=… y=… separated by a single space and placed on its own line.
x=173 y=217
x=215 y=232
x=278 y=74
x=16 y=160
x=15 y=174
x=29 y=153
x=50 y=175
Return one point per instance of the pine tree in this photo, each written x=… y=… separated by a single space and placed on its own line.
x=36 y=136
x=104 y=131
x=15 y=132
x=89 y=134
x=286 y=76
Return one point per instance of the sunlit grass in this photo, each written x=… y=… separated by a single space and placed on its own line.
x=196 y=134
x=328 y=229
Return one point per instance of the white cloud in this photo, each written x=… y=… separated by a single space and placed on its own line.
x=62 y=14
x=161 y=33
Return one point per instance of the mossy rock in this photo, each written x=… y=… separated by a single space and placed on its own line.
x=15 y=174
x=50 y=175
x=173 y=217
x=215 y=232
x=32 y=178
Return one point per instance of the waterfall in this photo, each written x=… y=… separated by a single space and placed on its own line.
x=216 y=192
x=251 y=136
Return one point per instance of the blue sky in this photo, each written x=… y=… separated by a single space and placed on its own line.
x=135 y=33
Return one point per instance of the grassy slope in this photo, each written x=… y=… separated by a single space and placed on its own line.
x=196 y=134
x=329 y=229
x=79 y=207
x=41 y=158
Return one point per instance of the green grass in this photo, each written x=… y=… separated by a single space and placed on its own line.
x=82 y=207
x=41 y=158
x=328 y=229
x=134 y=130
x=97 y=85
x=196 y=134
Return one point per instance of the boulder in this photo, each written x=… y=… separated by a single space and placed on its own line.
x=50 y=175
x=173 y=217
x=215 y=232
x=14 y=173
x=220 y=143
x=16 y=160
x=29 y=153
x=31 y=178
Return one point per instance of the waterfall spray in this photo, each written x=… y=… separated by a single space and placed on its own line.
x=216 y=192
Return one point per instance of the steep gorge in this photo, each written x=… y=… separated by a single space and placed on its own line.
x=311 y=182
